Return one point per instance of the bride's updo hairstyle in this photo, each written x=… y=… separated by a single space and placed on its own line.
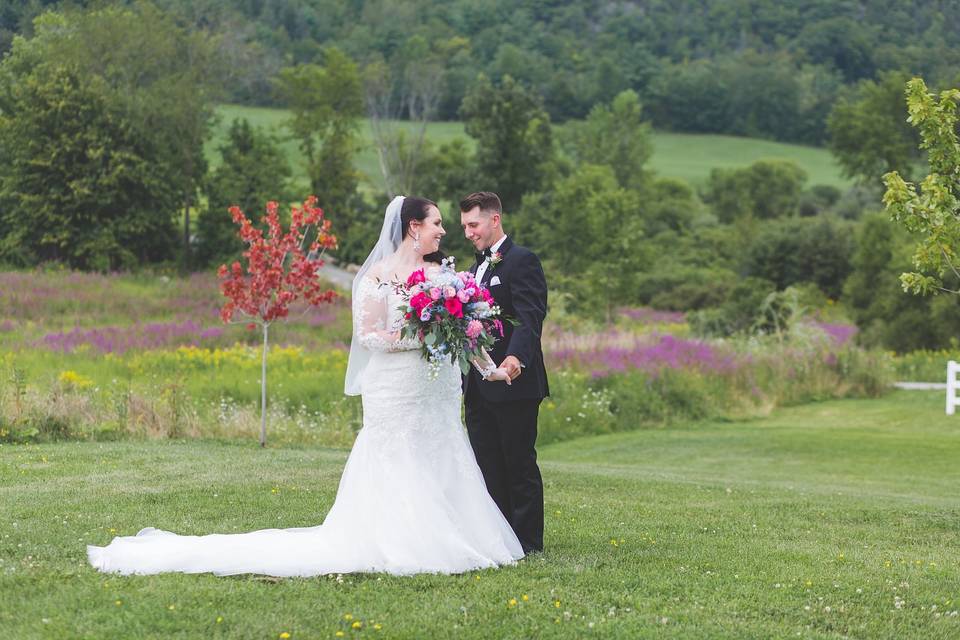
x=416 y=209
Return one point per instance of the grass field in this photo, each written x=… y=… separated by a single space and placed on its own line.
x=831 y=520
x=686 y=156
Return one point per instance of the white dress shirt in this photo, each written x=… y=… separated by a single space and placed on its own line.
x=482 y=269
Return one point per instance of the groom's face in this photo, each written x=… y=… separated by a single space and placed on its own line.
x=482 y=229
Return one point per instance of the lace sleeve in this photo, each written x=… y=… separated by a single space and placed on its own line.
x=372 y=319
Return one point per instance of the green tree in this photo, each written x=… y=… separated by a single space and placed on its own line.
x=514 y=138
x=869 y=133
x=102 y=185
x=789 y=252
x=885 y=315
x=253 y=171
x=670 y=204
x=764 y=190
x=326 y=102
x=167 y=78
x=590 y=233
x=841 y=42
x=933 y=210
x=616 y=136
x=79 y=185
x=691 y=270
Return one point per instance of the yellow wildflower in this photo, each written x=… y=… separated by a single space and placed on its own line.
x=73 y=380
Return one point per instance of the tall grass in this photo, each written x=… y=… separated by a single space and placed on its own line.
x=115 y=356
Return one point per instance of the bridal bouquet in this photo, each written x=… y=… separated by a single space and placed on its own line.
x=451 y=314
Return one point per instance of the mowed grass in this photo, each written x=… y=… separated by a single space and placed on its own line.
x=692 y=157
x=687 y=156
x=830 y=520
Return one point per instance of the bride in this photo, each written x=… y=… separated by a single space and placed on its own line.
x=411 y=498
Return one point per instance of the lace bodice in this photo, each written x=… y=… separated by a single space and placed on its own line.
x=378 y=317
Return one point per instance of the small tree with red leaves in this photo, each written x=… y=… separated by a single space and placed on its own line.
x=279 y=272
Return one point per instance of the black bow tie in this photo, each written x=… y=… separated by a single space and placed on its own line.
x=483 y=255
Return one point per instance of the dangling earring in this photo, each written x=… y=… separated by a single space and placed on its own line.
x=416 y=242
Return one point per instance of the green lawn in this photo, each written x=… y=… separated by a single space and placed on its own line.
x=830 y=520
x=692 y=156
x=687 y=156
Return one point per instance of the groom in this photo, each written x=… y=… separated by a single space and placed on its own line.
x=502 y=419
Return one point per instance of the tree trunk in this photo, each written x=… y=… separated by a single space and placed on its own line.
x=263 y=389
x=186 y=235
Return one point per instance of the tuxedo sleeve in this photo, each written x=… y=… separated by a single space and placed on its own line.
x=529 y=291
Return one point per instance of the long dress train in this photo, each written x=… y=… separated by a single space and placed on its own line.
x=411 y=498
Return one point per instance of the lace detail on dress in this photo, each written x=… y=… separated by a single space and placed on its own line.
x=378 y=318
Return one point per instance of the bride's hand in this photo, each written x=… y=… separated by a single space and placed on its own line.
x=498 y=374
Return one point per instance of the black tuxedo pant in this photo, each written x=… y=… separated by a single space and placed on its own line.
x=503 y=435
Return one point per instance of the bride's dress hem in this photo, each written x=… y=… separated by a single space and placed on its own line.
x=99 y=560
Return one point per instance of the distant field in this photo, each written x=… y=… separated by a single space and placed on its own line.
x=692 y=156
x=686 y=156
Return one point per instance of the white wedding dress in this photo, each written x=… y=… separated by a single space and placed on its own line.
x=411 y=498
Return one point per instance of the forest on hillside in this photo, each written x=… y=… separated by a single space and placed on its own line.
x=759 y=68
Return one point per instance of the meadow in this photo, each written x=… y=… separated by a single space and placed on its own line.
x=690 y=157
x=106 y=357
x=828 y=520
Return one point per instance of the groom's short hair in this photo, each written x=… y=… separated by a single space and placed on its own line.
x=488 y=201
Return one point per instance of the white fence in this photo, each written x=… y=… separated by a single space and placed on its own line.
x=953 y=368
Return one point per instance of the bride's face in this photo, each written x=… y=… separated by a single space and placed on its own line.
x=431 y=230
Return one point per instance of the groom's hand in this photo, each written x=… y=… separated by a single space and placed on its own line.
x=512 y=366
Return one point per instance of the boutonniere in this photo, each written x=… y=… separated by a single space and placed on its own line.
x=493 y=259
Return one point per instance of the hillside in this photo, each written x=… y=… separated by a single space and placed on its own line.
x=676 y=155
x=758 y=68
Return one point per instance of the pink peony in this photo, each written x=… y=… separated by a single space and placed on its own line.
x=474 y=328
x=463 y=295
x=449 y=292
x=435 y=293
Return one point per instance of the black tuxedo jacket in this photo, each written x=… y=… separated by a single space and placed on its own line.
x=519 y=287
